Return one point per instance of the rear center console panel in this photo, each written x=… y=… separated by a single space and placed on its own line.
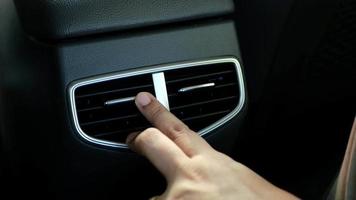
x=55 y=43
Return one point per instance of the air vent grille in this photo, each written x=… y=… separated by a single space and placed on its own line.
x=112 y=122
x=215 y=96
x=203 y=94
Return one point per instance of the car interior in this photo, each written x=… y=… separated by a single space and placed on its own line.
x=270 y=83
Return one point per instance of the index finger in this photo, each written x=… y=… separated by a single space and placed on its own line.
x=190 y=142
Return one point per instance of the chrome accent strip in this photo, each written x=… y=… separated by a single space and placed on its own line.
x=239 y=106
x=117 y=101
x=73 y=86
x=196 y=87
x=159 y=83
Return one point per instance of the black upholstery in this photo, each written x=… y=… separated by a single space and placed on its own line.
x=67 y=18
x=300 y=121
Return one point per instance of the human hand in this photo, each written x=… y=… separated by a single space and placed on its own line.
x=192 y=168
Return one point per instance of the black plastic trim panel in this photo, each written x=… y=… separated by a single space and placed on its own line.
x=62 y=19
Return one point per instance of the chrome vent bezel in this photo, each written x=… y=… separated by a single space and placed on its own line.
x=151 y=70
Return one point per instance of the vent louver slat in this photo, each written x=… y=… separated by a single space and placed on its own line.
x=204 y=95
x=202 y=107
x=111 y=122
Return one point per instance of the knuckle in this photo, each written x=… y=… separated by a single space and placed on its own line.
x=179 y=128
x=200 y=168
x=176 y=130
x=191 y=172
x=156 y=111
x=184 y=170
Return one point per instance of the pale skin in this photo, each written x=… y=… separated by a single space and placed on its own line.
x=192 y=168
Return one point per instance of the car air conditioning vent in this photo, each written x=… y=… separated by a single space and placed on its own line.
x=106 y=110
x=202 y=95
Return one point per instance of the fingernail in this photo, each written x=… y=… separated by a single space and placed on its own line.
x=143 y=99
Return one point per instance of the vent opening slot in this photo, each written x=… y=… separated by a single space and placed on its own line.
x=112 y=122
x=204 y=95
x=203 y=106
